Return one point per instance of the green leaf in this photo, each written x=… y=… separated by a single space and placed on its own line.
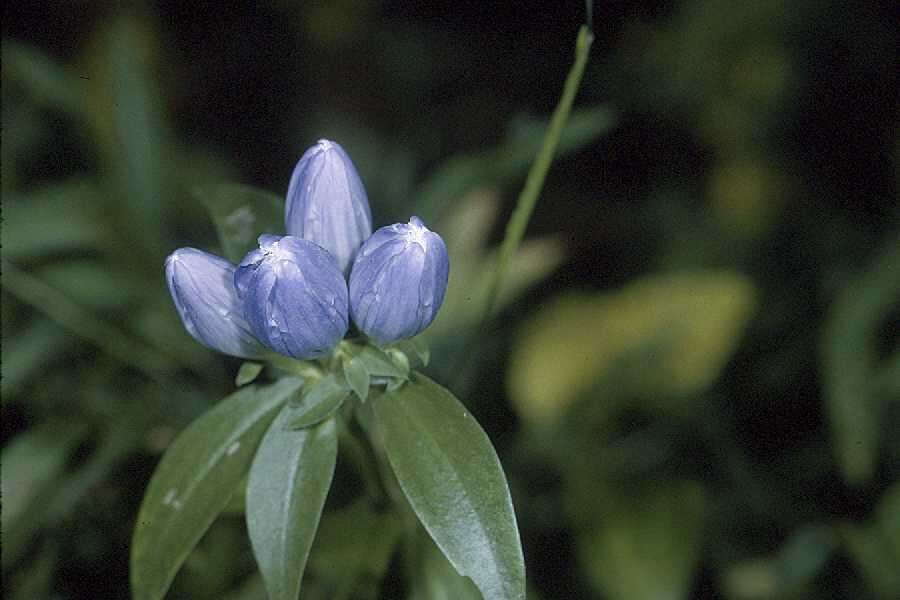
x=452 y=477
x=56 y=218
x=354 y=547
x=850 y=360
x=49 y=84
x=127 y=112
x=416 y=347
x=27 y=352
x=379 y=363
x=92 y=283
x=437 y=579
x=241 y=214
x=34 y=463
x=247 y=373
x=195 y=481
x=319 y=400
x=677 y=331
x=875 y=546
x=288 y=484
x=644 y=546
x=357 y=377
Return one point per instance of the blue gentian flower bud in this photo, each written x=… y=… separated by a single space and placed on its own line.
x=202 y=287
x=327 y=204
x=294 y=296
x=398 y=281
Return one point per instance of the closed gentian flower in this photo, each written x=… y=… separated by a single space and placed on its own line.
x=294 y=296
x=327 y=203
x=202 y=287
x=398 y=281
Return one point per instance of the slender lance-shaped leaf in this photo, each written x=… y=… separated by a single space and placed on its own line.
x=194 y=482
x=288 y=484
x=320 y=399
x=452 y=477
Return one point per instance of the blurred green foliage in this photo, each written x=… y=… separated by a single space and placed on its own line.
x=694 y=375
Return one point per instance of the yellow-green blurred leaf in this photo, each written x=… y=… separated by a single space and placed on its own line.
x=683 y=326
x=466 y=231
x=645 y=546
x=875 y=546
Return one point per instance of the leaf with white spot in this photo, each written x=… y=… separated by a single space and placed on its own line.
x=195 y=481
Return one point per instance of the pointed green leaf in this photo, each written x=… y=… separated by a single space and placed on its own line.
x=248 y=372
x=319 y=400
x=451 y=475
x=357 y=377
x=288 y=484
x=241 y=214
x=195 y=481
x=380 y=364
x=416 y=347
x=436 y=576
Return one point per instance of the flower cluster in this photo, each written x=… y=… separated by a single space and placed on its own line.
x=291 y=295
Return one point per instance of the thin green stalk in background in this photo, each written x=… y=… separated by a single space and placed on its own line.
x=518 y=222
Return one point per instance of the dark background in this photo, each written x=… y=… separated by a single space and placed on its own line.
x=757 y=139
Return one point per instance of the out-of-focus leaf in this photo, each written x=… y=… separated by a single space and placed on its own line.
x=49 y=84
x=689 y=323
x=241 y=214
x=452 y=477
x=511 y=159
x=875 y=546
x=436 y=579
x=250 y=589
x=54 y=219
x=37 y=579
x=91 y=283
x=195 y=480
x=466 y=230
x=25 y=352
x=126 y=111
x=320 y=398
x=849 y=357
x=33 y=464
x=288 y=484
x=158 y=323
x=788 y=573
x=353 y=548
x=644 y=546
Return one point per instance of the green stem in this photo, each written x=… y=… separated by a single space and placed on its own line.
x=518 y=222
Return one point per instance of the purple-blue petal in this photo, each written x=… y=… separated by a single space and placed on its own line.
x=202 y=288
x=294 y=296
x=327 y=204
x=398 y=281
